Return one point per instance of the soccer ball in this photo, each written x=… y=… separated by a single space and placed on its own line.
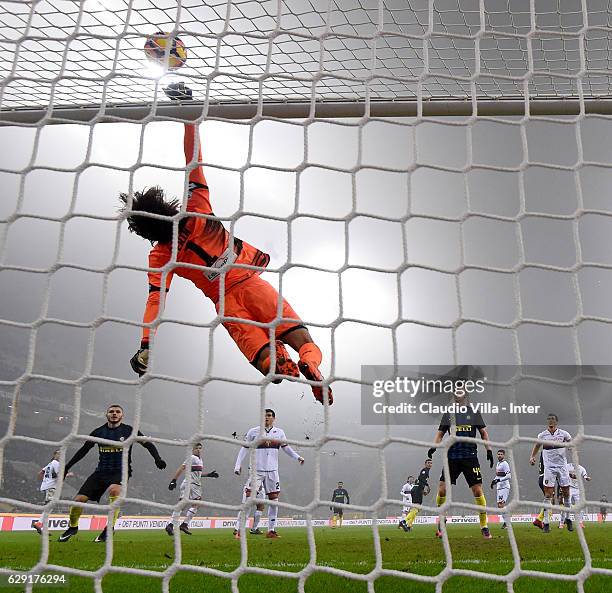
x=155 y=50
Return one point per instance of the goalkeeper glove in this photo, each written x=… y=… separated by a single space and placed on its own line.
x=490 y=457
x=178 y=91
x=431 y=452
x=140 y=361
x=212 y=474
x=172 y=485
x=160 y=463
x=495 y=481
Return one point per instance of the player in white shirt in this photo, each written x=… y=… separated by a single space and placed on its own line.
x=575 y=476
x=555 y=467
x=48 y=483
x=502 y=481
x=266 y=465
x=406 y=493
x=190 y=489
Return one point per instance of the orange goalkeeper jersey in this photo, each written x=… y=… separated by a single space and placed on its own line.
x=201 y=242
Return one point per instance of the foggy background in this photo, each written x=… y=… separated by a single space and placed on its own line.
x=377 y=255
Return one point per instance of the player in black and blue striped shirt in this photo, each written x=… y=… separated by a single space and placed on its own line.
x=463 y=456
x=109 y=471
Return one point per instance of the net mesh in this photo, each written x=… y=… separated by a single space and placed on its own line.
x=69 y=53
x=90 y=53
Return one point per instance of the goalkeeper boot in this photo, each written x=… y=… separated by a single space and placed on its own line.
x=38 y=526
x=237 y=533
x=169 y=529
x=68 y=534
x=486 y=533
x=284 y=365
x=312 y=373
x=272 y=535
x=404 y=526
x=570 y=524
x=185 y=528
x=537 y=523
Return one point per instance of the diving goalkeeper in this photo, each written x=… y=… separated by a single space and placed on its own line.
x=208 y=252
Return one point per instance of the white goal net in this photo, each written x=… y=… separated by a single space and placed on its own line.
x=431 y=180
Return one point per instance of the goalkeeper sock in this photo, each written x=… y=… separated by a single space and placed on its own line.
x=412 y=516
x=112 y=499
x=310 y=353
x=256 y=519
x=482 y=501
x=75 y=513
x=440 y=500
x=541 y=515
x=272 y=514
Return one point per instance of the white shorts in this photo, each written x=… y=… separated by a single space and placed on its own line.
x=266 y=482
x=406 y=510
x=49 y=494
x=559 y=473
x=195 y=491
x=574 y=497
x=503 y=494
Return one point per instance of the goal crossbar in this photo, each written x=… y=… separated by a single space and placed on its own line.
x=193 y=110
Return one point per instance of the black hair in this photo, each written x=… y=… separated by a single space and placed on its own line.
x=554 y=416
x=271 y=412
x=115 y=406
x=501 y=451
x=156 y=230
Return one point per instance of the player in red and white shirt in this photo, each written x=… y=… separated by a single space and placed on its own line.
x=575 y=476
x=502 y=481
x=48 y=476
x=266 y=465
x=190 y=489
x=555 y=466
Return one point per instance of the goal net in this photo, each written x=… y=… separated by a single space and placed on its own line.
x=430 y=179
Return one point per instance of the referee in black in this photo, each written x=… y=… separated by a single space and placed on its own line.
x=108 y=473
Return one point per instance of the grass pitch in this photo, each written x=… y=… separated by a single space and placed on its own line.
x=413 y=555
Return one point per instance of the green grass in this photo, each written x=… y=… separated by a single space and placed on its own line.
x=350 y=549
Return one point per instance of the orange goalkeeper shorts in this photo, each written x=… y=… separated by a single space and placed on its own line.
x=257 y=300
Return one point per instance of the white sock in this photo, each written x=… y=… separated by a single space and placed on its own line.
x=547 y=512
x=176 y=515
x=256 y=519
x=189 y=515
x=272 y=514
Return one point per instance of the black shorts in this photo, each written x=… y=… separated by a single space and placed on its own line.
x=417 y=495
x=98 y=483
x=338 y=511
x=469 y=467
